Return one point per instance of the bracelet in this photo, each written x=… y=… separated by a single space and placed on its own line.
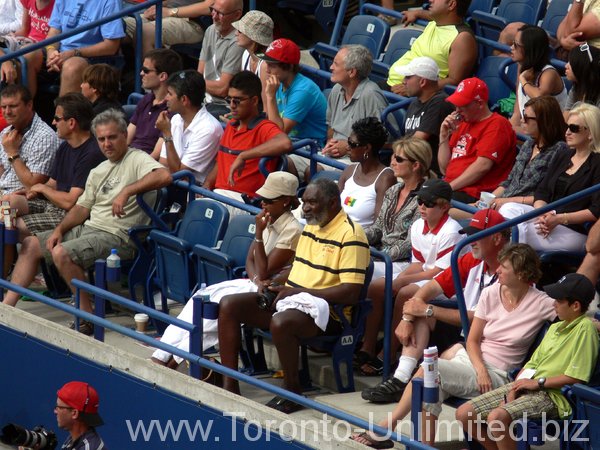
x=443 y=142
x=50 y=47
x=260 y=241
x=566 y=219
x=406 y=319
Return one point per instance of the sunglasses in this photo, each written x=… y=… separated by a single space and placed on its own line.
x=58 y=118
x=585 y=47
x=516 y=44
x=574 y=128
x=354 y=144
x=270 y=201
x=146 y=71
x=399 y=159
x=427 y=203
x=528 y=118
x=236 y=100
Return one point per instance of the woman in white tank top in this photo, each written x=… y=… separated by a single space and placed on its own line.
x=363 y=185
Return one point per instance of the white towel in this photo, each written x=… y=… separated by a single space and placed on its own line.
x=315 y=307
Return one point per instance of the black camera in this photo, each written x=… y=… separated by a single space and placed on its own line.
x=15 y=435
x=265 y=300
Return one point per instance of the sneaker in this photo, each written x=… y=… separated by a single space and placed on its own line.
x=389 y=391
x=85 y=327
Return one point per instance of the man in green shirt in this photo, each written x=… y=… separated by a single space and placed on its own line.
x=566 y=355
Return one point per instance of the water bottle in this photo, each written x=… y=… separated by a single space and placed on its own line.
x=431 y=379
x=113 y=266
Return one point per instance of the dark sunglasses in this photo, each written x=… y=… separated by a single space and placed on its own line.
x=236 y=100
x=574 y=128
x=427 y=203
x=353 y=144
x=146 y=71
x=399 y=159
x=528 y=118
x=58 y=118
x=270 y=201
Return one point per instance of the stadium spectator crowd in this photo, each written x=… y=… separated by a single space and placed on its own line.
x=248 y=99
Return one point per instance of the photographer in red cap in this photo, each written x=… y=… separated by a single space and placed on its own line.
x=77 y=412
x=295 y=103
x=477 y=148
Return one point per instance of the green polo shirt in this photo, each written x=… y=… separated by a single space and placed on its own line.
x=567 y=349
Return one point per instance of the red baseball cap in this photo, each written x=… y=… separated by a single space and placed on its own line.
x=84 y=398
x=281 y=51
x=469 y=90
x=483 y=219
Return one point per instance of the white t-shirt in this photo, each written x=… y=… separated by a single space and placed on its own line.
x=433 y=247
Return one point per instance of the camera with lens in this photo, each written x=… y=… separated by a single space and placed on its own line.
x=266 y=298
x=39 y=437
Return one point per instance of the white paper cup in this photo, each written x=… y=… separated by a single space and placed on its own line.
x=141 y=322
x=485 y=200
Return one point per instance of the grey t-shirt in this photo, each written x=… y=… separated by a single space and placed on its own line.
x=367 y=101
x=220 y=54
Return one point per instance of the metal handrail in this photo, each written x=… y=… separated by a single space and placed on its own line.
x=195 y=359
x=388 y=309
x=495 y=229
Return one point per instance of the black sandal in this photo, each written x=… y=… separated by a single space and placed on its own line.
x=360 y=358
x=372 y=368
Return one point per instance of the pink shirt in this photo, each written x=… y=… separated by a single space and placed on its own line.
x=507 y=335
x=38 y=25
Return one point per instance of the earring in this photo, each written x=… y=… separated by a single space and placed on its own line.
x=366 y=155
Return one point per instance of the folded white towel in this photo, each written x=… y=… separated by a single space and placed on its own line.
x=315 y=307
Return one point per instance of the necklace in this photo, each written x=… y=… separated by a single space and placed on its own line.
x=513 y=303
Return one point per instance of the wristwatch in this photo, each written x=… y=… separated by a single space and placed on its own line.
x=429 y=311
x=175 y=12
x=541 y=382
x=11 y=159
x=167 y=139
x=77 y=52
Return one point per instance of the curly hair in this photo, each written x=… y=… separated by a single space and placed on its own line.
x=370 y=130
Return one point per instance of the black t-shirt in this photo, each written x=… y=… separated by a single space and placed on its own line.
x=72 y=165
x=90 y=440
x=428 y=117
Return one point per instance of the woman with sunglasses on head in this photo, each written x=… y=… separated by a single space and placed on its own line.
x=573 y=171
x=543 y=122
x=536 y=77
x=363 y=185
x=254 y=32
x=277 y=233
x=583 y=70
x=390 y=233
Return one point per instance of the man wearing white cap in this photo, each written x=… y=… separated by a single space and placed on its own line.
x=428 y=110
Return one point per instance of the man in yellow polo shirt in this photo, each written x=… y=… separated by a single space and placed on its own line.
x=329 y=268
x=567 y=355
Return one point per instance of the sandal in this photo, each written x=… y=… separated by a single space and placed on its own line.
x=359 y=359
x=284 y=405
x=390 y=20
x=366 y=439
x=372 y=368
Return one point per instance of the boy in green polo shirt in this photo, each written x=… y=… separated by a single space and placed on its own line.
x=566 y=355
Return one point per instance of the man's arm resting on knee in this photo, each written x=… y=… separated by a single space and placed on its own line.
x=64 y=200
x=76 y=216
x=107 y=47
x=473 y=173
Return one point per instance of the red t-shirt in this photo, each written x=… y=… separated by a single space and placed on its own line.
x=492 y=138
x=38 y=25
x=235 y=141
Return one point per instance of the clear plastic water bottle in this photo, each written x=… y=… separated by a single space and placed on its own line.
x=114 y=260
x=113 y=266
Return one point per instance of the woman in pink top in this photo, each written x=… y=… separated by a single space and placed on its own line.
x=508 y=317
x=34 y=28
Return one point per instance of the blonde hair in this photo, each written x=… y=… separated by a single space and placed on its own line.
x=590 y=115
x=416 y=150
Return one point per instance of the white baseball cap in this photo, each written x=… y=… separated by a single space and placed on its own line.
x=423 y=67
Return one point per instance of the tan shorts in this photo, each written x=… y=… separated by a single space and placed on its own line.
x=534 y=403
x=175 y=30
x=86 y=244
